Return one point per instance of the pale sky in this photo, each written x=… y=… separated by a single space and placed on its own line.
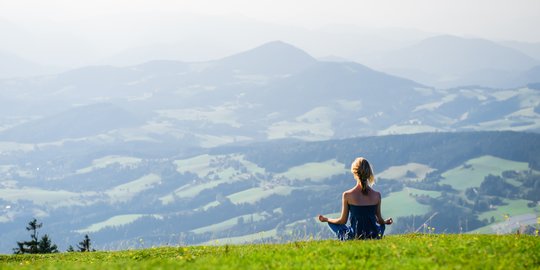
x=71 y=33
x=491 y=19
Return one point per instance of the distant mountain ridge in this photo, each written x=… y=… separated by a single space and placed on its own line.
x=450 y=61
x=96 y=119
x=189 y=152
x=269 y=92
x=274 y=57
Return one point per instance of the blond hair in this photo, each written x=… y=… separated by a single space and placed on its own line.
x=363 y=173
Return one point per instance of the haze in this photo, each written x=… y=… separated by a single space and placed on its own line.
x=69 y=34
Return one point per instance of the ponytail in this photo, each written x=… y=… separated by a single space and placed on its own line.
x=363 y=173
x=364 y=183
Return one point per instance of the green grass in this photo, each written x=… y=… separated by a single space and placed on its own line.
x=316 y=171
x=253 y=195
x=400 y=172
x=125 y=192
x=512 y=207
x=229 y=223
x=115 y=221
x=106 y=161
x=402 y=203
x=412 y=251
x=473 y=174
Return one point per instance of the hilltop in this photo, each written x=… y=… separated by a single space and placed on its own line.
x=401 y=251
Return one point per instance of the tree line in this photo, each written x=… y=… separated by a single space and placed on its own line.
x=45 y=244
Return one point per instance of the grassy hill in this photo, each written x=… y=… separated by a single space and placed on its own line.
x=412 y=251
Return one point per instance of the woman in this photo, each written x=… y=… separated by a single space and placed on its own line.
x=364 y=205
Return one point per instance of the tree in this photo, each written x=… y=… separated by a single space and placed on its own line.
x=44 y=245
x=84 y=245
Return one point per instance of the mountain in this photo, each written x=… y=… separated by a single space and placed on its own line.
x=530 y=49
x=121 y=193
x=271 y=58
x=450 y=61
x=78 y=122
x=12 y=65
x=188 y=152
x=272 y=91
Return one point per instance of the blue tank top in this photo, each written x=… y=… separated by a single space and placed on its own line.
x=364 y=222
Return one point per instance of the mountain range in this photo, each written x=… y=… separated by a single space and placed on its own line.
x=450 y=61
x=270 y=92
x=176 y=152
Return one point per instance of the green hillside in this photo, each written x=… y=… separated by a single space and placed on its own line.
x=413 y=251
x=271 y=191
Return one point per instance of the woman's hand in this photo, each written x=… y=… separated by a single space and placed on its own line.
x=323 y=218
x=389 y=221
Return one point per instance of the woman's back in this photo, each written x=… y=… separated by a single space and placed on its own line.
x=361 y=205
x=356 y=197
x=362 y=213
x=363 y=221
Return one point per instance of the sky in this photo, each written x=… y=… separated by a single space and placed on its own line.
x=73 y=33
x=492 y=19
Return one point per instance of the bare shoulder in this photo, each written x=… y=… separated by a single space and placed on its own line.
x=376 y=193
x=347 y=193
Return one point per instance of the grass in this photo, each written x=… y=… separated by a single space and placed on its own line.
x=104 y=162
x=316 y=171
x=400 y=172
x=125 y=192
x=512 y=207
x=315 y=125
x=403 y=203
x=413 y=251
x=253 y=195
x=39 y=196
x=473 y=172
x=118 y=220
x=227 y=224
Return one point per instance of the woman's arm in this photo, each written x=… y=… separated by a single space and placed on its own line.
x=344 y=213
x=380 y=219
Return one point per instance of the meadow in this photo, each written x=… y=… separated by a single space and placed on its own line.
x=410 y=251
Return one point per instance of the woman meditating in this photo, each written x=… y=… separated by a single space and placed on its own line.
x=363 y=204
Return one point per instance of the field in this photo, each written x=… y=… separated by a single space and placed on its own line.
x=316 y=171
x=473 y=172
x=413 y=251
x=417 y=170
x=403 y=203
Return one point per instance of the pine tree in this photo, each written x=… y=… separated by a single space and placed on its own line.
x=46 y=246
x=84 y=245
x=34 y=246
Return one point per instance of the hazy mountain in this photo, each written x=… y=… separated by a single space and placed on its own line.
x=14 y=66
x=530 y=49
x=74 y=123
x=449 y=61
x=272 y=91
x=272 y=58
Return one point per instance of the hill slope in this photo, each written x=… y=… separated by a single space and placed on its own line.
x=403 y=252
x=123 y=192
x=273 y=91
x=450 y=61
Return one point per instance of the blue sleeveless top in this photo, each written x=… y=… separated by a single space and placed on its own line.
x=364 y=222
